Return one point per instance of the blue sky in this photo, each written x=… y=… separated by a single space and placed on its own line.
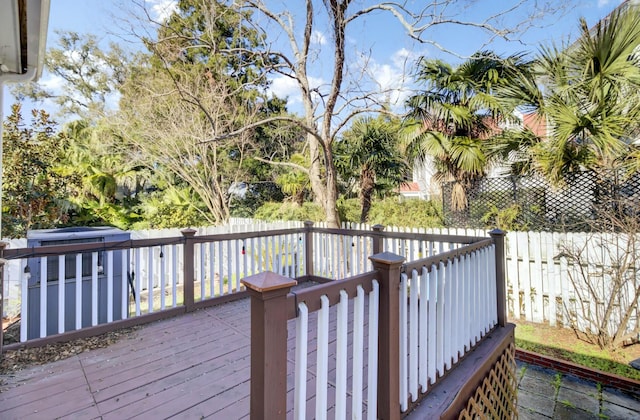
x=385 y=50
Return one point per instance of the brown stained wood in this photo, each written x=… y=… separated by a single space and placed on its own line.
x=454 y=390
x=311 y=295
x=193 y=364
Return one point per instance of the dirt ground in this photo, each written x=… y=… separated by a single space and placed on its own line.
x=558 y=341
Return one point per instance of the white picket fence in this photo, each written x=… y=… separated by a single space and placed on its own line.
x=539 y=276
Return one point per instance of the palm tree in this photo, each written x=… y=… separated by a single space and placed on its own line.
x=456 y=114
x=587 y=94
x=368 y=155
x=295 y=182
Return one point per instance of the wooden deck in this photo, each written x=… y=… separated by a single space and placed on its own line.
x=193 y=366
x=190 y=367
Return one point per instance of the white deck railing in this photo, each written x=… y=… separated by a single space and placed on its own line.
x=446 y=307
x=333 y=350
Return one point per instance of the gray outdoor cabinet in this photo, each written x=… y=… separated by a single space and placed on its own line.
x=73 y=235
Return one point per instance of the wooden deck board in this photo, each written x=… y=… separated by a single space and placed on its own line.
x=193 y=366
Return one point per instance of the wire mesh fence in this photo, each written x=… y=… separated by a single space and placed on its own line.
x=581 y=203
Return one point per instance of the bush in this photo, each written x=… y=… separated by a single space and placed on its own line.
x=388 y=212
x=290 y=211
x=406 y=213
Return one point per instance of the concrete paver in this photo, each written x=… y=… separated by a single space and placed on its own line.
x=545 y=393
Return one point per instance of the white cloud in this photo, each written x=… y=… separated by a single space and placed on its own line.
x=318 y=38
x=603 y=3
x=286 y=87
x=162 y=9
x=52 y=83
x=393 y=78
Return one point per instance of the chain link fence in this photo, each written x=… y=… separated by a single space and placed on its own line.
x=531 y=203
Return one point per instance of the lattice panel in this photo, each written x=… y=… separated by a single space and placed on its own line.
x=496 y=397
x=534 y=204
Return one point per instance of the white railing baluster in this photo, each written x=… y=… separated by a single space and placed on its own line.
x=455 y=309
x=467 y=293
x=163 y=279
x=94 y=288
x=61 y=286
x=423 y=317
x=448 y=282
x=137 y=282
x=300 y=390
x=413 y=335
x=372 y=372
x=322 y=362
x=202 y=272
x=150 y=264
x=220 y=268
x=463 y=292
x=109 y=269
x=245 y=270
x=493 y=303
x=404 y=392
x=358 y=354
x=432 y=319
x=252 y=258
x=212 y=269
x=43 y=296
x=124 y=269
x=342 y=356
x=471 y=278
x=440 y=331
x=484 y=294
x=236 y=274
x=25 y=277
x=79 y=300
x=274 y=256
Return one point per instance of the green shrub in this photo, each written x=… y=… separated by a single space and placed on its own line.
x=407 y=213
x=388 y=212
x=349 y=209
x=290 y=211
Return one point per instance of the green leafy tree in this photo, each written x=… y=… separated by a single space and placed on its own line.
x=457 y=114
x=91 y=76
x=587 y=96
x=350 y=89
x=369 y=154
x=111 y=184
x=184 y=103
x=34 y=195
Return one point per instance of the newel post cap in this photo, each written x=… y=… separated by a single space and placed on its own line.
x=387 y=258
x=188 y=232
x=268 y=281
x=497 y=232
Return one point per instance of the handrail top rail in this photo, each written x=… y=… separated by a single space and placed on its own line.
x=446 y=256
x=311 y=295
x=53 y=250
x=429 y=237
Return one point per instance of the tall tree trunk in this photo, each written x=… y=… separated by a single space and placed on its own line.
x=367 y=183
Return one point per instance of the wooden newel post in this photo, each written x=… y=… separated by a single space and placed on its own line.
x=189 y=267
x=308 y=248
x=389 y=267
x=268 y=292
x=377 y=240
x=501 y=287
